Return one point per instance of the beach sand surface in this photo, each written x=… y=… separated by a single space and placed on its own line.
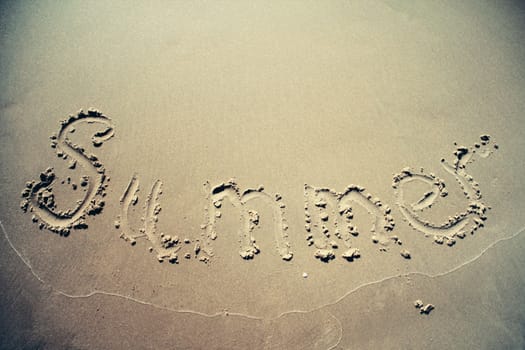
x=283 y=175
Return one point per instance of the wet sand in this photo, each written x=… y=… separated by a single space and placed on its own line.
x=285 y=175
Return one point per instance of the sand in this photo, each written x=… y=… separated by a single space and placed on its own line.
x=284 y=175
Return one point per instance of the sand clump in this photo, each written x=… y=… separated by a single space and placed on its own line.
x=351 y=254
x=405 y=254
x=424 y=309
x=324 y=254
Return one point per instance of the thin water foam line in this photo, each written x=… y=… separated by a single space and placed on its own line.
x=227 y=313
x=340 y=332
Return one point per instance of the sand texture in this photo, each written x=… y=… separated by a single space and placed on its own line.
x=262 y=175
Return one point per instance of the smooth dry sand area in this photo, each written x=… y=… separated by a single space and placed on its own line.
x=262 y=175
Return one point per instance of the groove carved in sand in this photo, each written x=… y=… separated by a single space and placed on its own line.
x=457 y=226
x=249 y=219
x=165 y=246
x=38 y=196
x=334 y=207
